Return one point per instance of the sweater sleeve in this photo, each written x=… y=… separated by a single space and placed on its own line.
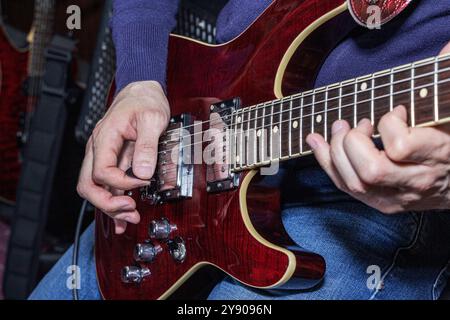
x=141 y=31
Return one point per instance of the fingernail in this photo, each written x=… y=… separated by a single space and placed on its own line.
x=312 y=142
x=143 y=169
x=337 y=126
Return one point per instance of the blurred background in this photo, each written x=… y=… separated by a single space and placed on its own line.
x=54 y=83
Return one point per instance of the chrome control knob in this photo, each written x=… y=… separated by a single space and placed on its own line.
x=161 y=229
x=146 y=252
x=134 y=274
x=177 y=249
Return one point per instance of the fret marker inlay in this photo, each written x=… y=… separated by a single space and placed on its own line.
x=295 y=124
x=424 y=93
x=364 y=86
x=319 y=118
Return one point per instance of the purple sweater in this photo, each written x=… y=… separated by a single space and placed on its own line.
x=141 y=29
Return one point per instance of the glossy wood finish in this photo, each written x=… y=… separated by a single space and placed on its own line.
x=213 y=225
x=13 y=72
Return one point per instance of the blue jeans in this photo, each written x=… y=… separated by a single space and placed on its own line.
x=369 y=255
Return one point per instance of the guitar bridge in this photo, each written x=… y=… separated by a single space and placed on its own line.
x=174 y=172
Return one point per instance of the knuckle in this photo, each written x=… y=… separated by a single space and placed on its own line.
x=399 y=149
x=385 y=119
x=389 y=209
x=341 y=187
x=81 y=190
x=374 y=174
x=98 y=175
x=108 y=208
x=355 y=188
x=351 y=136
x=424 y=184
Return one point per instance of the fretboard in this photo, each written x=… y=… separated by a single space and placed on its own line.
x=42 y=31
x=277 y=130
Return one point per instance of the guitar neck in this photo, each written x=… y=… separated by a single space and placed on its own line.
x=42 y=31
x=277 y=130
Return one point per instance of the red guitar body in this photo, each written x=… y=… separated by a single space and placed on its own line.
x=239 y=231
x=13 y=72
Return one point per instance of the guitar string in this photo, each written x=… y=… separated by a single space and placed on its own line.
x=339 y=97
x=346 y=106
x=352 y=82
x=365 y=112
x=239 y=167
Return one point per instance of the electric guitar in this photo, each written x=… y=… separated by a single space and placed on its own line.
x=257 y=89
x=21 y=69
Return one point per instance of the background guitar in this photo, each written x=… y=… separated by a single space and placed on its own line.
x=21 y=67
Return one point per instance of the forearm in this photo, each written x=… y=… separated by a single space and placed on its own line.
x=141 y=31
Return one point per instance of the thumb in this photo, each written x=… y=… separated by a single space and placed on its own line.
x=146 y=147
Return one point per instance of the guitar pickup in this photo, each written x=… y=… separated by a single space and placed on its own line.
x=219 y=176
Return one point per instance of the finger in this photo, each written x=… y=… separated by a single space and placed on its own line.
x=107 y=147
x=98 y=196
x=322 y=153
x=149 y=128
x=405 y=144
x=122 y=217
x=126 y=156
x=446 y=49
x=376 y=169
x=372 y=165
x=120 y=226
x=343 y=165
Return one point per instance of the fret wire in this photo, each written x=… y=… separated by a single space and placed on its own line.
x=325 y=122
x=355 y=106
x=236 y=139
x=247 y=138
x=312 y=112
x=231 y=138
x=372 y=101
x=280 y=118
x=241 y=146
x=255 y=149
x=290 y=127
x=271 y=131
x=436 y=90
x=391 y=90
x=413 y=116
x=301 y=125
x=340 y=101
x=263 y=134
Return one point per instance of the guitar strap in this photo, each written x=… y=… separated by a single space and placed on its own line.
x=365 y=11
x=40 y=157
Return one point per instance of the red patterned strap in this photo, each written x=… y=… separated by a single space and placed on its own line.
x=374 y=13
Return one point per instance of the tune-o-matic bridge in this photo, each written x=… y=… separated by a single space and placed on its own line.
x=174 y=172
